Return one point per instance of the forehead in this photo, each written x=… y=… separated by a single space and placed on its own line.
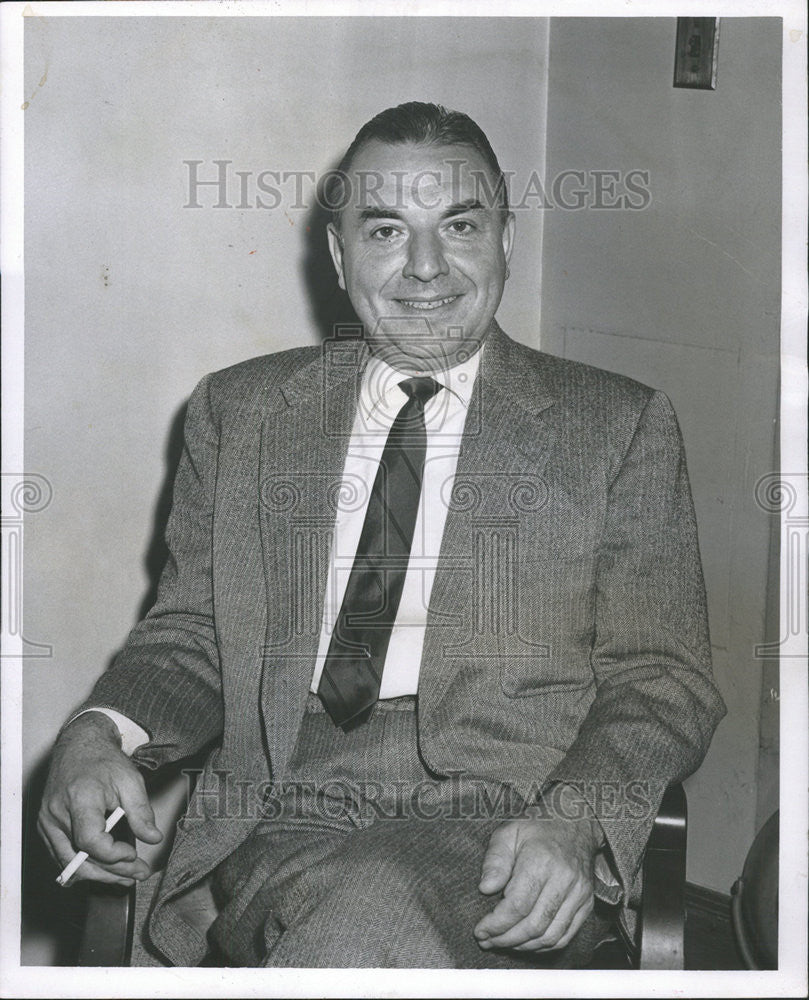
x=408 y=175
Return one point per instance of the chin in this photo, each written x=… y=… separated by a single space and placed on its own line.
x=419 y=343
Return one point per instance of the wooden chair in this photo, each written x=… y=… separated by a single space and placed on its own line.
x=658 y=942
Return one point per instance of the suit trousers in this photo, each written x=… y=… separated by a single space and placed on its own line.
x=364 y=859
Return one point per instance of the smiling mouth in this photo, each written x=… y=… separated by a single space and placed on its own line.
x=426 y=305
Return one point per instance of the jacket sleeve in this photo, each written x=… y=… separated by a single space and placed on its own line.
x=167 y=678
x=656 y=706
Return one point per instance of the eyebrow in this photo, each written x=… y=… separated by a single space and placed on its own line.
x=471 y=205
x=458 y=208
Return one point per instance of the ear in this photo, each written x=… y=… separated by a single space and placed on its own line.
x=336 y=251
x=509 y=227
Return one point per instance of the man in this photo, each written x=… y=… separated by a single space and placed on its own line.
x=435 y=598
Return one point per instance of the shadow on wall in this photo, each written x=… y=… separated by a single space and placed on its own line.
x=330 y=307
x=51 y=918
x=157 y=551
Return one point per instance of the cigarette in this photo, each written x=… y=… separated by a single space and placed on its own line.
x=78 y=859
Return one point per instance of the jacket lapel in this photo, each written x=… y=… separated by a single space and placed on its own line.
x=238 y=578
x=507 y=438
x=303 y=450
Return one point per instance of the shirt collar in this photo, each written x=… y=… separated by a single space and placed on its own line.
x=380 y=378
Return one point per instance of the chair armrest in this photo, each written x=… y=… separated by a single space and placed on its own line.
x=109 y=924
x=108 y=927
x=661 y=937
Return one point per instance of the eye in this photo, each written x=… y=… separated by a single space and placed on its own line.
x=384 y=233
x=461 y=227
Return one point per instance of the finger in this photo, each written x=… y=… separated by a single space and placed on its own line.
x=44 y=833
x=129 y=870
x=576 y=924
x=550 y=917
x=53 y=815
x=139 y=812
x=498 y=861
x=88 y=833
x=531 y=924
x=91 y=872
x=59 y=844
x=520 y=896
x=62 y=852
x=560 y=932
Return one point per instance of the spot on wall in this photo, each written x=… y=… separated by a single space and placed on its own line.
x=42 y=81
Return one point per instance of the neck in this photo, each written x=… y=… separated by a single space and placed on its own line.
x=410 y=364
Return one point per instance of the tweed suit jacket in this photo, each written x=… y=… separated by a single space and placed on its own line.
x=566 y=639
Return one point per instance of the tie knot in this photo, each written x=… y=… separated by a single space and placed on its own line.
x=420 y=388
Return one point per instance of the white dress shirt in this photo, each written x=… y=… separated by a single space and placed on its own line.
x=380 y=401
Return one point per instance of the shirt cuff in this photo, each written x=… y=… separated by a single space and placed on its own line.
x=607 y=886
x=132 y=735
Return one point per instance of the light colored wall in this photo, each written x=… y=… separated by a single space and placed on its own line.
x=685 y=296
x=131 y=298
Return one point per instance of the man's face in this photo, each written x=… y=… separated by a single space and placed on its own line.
x=422 y=252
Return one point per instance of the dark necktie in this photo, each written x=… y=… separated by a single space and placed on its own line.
x=349 y=684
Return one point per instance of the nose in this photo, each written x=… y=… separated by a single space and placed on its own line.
x=425 y=258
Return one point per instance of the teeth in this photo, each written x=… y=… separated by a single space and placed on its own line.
x=420 y=304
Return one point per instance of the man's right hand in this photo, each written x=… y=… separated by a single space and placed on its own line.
x=88 y=778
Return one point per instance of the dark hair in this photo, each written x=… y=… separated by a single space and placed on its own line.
x=422 y=124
